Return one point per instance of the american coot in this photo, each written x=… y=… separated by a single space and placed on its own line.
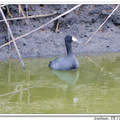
x=67 y=62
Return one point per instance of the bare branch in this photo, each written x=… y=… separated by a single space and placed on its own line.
x=13 y=39
x=101 y=25
x=29 y=33
x=29 y=17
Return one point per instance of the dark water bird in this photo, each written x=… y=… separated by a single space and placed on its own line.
x=67 y=62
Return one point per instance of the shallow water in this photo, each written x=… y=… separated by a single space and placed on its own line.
x=93 y=88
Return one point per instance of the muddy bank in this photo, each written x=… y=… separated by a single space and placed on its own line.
x=48 y=43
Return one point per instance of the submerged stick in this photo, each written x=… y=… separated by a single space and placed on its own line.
x=29 y=17
x=97 y=65
x=32 y=31
x=13 y=39
x=101 y=25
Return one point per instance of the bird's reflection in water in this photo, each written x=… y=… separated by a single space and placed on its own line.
x=70 y=78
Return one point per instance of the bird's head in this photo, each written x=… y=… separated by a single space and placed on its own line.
x=70 y=39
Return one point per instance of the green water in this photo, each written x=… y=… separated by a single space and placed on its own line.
x=93 y=88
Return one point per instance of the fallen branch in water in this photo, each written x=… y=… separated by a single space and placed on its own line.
x=97 y=65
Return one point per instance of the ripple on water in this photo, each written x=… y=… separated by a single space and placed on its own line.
x=93 y=88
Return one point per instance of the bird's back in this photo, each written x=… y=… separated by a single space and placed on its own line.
x=64 y=63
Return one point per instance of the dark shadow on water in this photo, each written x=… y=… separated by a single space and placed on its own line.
x=70 y=78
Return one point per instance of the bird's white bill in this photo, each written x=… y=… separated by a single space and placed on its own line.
x=74 y=39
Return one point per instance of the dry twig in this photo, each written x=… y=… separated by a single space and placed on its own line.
x=13 y=39
x=8 y=11
x=30 y=17
x=21 y=11
x=29 y=33
x=101 y=25
x=27 y=9
x=57 y=27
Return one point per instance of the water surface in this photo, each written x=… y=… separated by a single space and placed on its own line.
x=93 y=88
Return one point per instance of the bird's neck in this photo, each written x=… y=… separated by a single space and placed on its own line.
x=69 y=48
